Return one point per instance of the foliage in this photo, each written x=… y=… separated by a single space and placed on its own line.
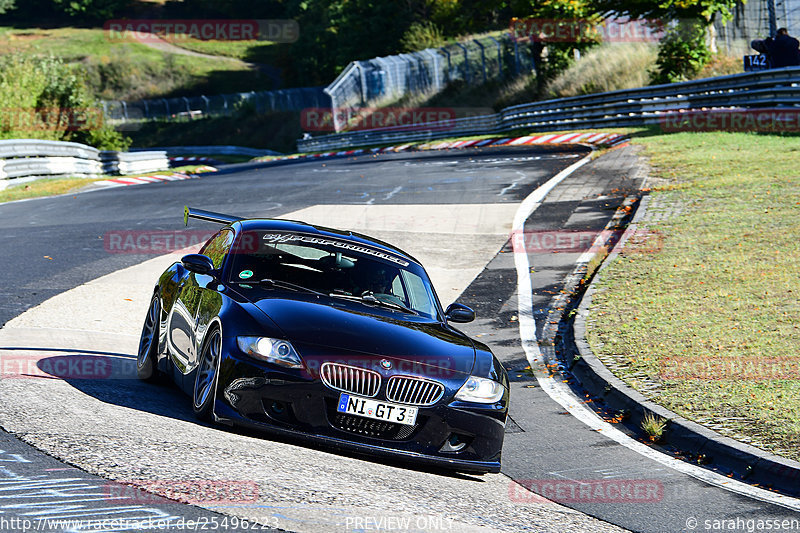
x=6 y=5
x=422 y=35
x=682 y=53
x=94 y=9
x=82 y=10
x=683 y=49
x=554 y=56
x=122 y=75
x=697 y=10
x=44 y=98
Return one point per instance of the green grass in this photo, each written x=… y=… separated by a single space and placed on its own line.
x=44 y=187
x=131 y=70
x=250 y=51
x=56 y=186
x=606 y=68
x=710 y=321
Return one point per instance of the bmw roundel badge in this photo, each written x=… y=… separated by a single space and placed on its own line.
x=386 y=364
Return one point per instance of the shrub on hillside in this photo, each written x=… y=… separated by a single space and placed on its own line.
x=43 y=98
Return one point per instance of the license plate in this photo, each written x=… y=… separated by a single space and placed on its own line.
x=368 y=408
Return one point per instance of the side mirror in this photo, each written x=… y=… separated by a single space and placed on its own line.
x=459 y=313
x=197 y=263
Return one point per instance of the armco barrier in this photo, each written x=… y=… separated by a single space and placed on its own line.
x=173 y=151
x=134 y=162
x=776 y=88
x=25 y=159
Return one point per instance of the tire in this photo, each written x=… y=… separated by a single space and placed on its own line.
x=205 y=380
x=146 y=364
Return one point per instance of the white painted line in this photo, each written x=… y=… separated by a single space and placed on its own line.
x=567 y=399
x=527 y=325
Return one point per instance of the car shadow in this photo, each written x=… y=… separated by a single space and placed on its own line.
x=111 y=378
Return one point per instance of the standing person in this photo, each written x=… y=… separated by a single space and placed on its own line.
x=783 y=50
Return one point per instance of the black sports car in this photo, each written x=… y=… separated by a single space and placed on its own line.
x=326 y=335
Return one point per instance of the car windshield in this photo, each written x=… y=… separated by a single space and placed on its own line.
x=336 y=268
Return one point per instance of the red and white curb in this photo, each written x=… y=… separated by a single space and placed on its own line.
x=140 y=180
x=595 y=139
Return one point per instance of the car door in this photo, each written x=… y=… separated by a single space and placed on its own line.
x=183 y=326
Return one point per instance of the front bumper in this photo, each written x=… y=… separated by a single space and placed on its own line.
x=458 y=435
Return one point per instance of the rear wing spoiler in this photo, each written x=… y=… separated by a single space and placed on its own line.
x=209 y=216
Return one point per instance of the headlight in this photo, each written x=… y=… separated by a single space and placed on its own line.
x=275 y=351
x=480 y=390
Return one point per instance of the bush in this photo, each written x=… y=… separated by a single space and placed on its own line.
x=125 y=76
x=422 y=35
x=43 y=98
x=682 y=53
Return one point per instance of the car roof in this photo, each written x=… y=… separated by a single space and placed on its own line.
x=274 y=224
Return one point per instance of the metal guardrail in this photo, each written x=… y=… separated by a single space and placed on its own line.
x=134 y=162
x=24 y=159
x=211 y=150
x=625 y=108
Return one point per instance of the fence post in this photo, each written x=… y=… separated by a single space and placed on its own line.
x=166 y=106
x=205 y=99
x=466 y=62
x=499 y=57
x=449 y=64
x=363 y=85
x=483 y=58
x=437 y=76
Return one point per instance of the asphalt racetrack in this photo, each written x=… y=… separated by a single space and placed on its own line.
x=78 y=272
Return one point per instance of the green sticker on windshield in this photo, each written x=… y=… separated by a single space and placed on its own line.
x=244 y=274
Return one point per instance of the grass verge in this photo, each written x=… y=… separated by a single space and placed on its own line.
x=44 y=187
x=130 y=70
x=708 y=325
x=56 y=186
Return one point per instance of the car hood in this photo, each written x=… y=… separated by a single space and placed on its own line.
x=328 y=328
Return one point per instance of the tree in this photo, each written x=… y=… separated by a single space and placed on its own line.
x=93 y=9
x=6 y=6
x=555 y=30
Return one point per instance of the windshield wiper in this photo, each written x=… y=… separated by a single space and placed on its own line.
x=289 y=285
x=370 y=298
